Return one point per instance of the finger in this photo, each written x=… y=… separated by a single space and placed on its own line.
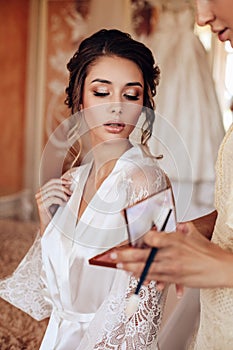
x=165 y=271
x=129 y=255
x=179 y=291
x=193 y=236
x=136 y=269
x=171 y=253
x=54 y=191
x=55 y=183
x=46 y=203
x=69 y=175
x=160 y=286
x=57 y=192
x=158 y=239
x=57 y=186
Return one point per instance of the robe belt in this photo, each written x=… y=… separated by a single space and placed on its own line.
x=57 y=316
x=74 y=317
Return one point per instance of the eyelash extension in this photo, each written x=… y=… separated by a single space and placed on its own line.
x=100 y=94
x=131 y=97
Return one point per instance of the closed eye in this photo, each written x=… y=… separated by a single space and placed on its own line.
x=131 y=97
x=100 y=94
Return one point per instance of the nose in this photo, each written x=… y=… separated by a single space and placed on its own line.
x=204 y=14
x=116 y=108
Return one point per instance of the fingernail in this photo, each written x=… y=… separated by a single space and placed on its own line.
x=113 y=256
x=119 y=265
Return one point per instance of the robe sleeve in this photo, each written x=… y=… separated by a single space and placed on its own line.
x=25 y=288
x=112 y=329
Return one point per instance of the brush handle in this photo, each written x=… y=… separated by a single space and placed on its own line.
x=151 y=257
x=146 y=268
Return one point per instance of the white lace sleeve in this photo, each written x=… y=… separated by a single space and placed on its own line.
x=144 y=181
x=24 y=288
x=147 y=320
x=141 y=330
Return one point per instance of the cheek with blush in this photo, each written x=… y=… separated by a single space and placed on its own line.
x=94 y=116
x=132 y=114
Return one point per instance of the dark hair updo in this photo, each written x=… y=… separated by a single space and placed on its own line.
x=113 y=42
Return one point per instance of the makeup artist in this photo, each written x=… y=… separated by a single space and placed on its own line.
x=187 y=256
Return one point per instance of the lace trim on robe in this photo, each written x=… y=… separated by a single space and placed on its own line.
x=24 y=288
x=141 y=330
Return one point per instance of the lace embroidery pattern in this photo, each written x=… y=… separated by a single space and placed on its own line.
x=141 y=330
x=142 y=184
x=24 y=288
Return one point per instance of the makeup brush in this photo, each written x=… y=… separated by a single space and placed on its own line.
x=133 y=301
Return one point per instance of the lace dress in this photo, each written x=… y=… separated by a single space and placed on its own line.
x=216 y=331
x=86 y=303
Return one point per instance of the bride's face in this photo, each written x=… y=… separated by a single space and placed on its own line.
x=112 y=98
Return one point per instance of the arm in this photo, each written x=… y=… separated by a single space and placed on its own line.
x=185 y=257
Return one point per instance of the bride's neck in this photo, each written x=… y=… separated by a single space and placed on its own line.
x=105 y=157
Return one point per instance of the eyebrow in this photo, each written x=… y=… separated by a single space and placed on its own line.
x=104 y=81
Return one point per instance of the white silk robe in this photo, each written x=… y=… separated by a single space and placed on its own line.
x=86 y=303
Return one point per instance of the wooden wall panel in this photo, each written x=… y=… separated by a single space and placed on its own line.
x=13 y=56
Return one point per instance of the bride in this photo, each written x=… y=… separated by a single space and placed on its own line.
x=113 y=80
